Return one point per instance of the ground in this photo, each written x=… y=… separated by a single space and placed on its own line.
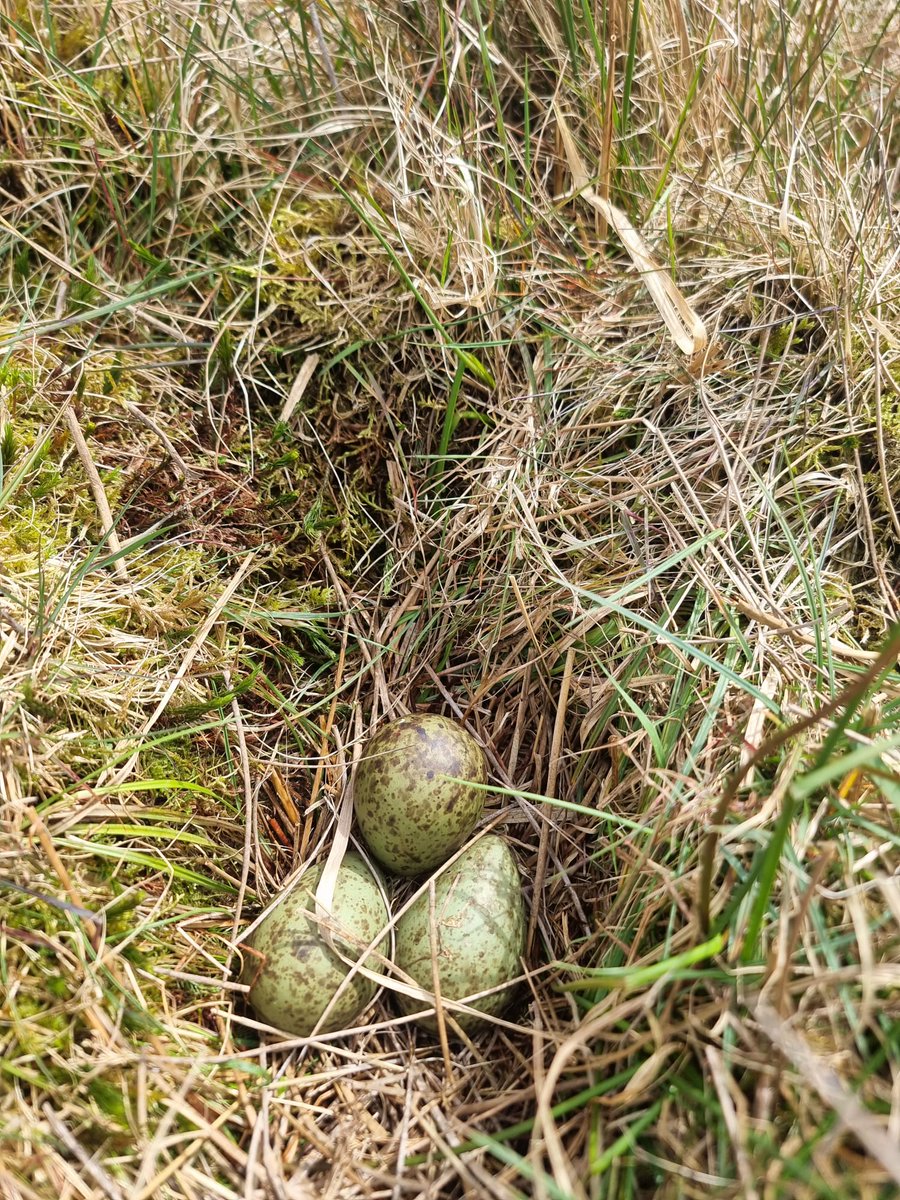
x=532 y=364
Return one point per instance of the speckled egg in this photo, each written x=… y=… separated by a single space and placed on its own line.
x=412 y=816
x=479 y=932
x=297 y=975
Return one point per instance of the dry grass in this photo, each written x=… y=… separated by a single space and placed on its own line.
x=387 y=417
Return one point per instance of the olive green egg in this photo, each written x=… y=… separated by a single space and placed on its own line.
x=411 y=814
x=478 y=936
x=293 y=973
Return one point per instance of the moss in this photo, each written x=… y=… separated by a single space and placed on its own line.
x=823 y=455
x=88 y=698
x=292 y=224
x=316 y=266
x=871 y=458
x=890 y=418
x=300 y=509
x=892 y=365
x=16 y=381
x=792 y=336
x=875 y=487
x=198 y=759
x=74 y=41
x=868 y=624
x=49 y=506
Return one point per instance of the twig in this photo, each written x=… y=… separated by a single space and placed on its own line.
x=96 y=483
x=186 y=470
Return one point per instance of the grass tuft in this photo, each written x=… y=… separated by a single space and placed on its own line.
x=530 y=363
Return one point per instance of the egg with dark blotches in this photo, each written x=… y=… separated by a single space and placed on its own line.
x=292 y=971
x=476 y=935
x=410 y=809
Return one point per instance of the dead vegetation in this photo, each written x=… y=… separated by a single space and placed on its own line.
x=537 y=365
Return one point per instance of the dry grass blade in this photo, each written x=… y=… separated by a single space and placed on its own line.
x=389 y=401
x=193 y=650
x=92 y=1170
x=877 y=1141
x=106 y=517
x=685 y=326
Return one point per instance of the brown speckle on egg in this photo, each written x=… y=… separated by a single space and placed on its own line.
x=409 y=811
x=294 y=974
x=479 y=932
